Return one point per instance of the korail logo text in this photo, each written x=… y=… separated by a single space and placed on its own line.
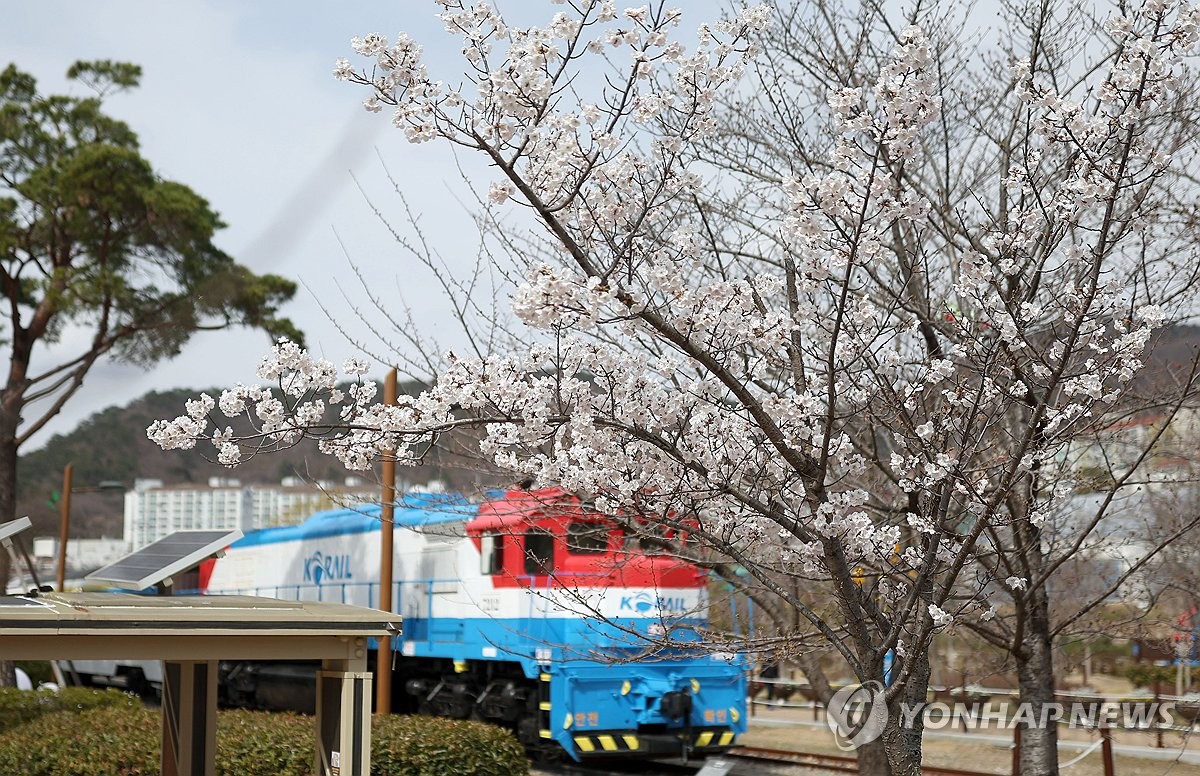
x=320 y=568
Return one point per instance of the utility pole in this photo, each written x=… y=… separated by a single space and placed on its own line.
x=387 y=515
x=64 y=525
x=64 y=514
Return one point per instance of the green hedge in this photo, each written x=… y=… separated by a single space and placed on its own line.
x=124 y=741
x=1148 y=674
x=20 y=706
x=107 y=741
x=259 y=743
x=431 y=746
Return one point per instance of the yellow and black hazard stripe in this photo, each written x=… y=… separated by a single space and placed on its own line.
x=607 y=742
x=616 y=741
x=544 y=705
x=718 y=737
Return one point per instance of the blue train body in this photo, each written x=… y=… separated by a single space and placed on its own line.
x=526 y=611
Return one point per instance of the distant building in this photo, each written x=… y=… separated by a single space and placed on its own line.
x=83 y=555
x=1173 y=442
x=154 y=510
x=1155 y=455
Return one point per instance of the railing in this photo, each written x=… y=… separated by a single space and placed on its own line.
x=417 y=601
x=979 y=710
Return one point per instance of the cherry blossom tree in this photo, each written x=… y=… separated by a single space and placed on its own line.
x=831 y=313
x=983 y=131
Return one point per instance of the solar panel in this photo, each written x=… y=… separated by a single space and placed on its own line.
x=163 y=559
x=13 y=527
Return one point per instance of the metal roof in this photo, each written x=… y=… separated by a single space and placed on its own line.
x=132 y=614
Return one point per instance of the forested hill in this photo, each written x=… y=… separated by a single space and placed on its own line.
x=111 y=445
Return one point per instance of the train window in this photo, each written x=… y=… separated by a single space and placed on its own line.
x=587 y=538
x=539 y=553
x=491 y=556
x=641 y=544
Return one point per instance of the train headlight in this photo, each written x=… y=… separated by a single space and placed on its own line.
x=626 y=687
x=695 y=686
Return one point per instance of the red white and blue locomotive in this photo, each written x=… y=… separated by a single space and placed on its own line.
x=527 y=610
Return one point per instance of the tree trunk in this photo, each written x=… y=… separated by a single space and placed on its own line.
x=895 y=752
x=873 y=757
x=9 y=418
x=1035 y=674
x=905 y=750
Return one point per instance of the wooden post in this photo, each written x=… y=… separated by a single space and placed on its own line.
x=1016 y=763
x=383 y=654
x=1106 y=751
x=1158 y=733
x=64 y=525
x=966 y=703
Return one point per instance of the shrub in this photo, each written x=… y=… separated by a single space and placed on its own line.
x=1146 y=675
x=260 y=743
x=105 y=741
x=124 y=740
x=431 y=746
x=20 y=706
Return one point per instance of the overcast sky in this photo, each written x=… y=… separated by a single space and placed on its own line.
x=238 y=101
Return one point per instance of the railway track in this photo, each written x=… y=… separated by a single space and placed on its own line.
x=827 y=762
x=623 y=768
x=744 y=756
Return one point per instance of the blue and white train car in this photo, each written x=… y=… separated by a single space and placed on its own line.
x=527 y=611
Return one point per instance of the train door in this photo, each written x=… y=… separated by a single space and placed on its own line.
x=445 y=620
x=414 y=602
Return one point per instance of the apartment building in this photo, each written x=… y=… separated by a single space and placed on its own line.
x=154 y=510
